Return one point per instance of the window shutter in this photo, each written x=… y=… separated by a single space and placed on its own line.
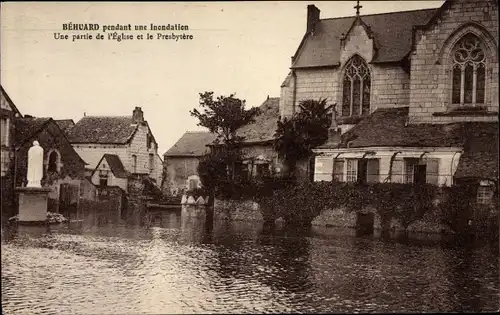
x=372 y=171
x=432 y=172
x=397 y=171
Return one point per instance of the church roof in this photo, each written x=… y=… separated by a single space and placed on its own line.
x=192 y=143
x=392 y=33
x=265 y=124
x=103 y=129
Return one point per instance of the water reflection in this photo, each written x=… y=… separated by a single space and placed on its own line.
x=184 y=263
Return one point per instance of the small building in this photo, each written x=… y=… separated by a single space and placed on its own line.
x=127 y=141
x=110 y=172
x=259 y=156
x=64 y=169
x=182 y=159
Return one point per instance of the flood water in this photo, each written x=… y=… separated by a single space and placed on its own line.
x=237 y=267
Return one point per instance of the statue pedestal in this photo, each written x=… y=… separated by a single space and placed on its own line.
x=33 y=204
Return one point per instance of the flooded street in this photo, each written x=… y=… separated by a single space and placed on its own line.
x=182 y=267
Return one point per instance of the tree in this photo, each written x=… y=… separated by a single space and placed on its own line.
x=224 y=116
x=296 y=137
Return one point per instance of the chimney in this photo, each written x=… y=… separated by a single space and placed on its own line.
x=137 y=115
x=312 y=18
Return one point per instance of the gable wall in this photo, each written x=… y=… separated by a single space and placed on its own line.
x=93 y=152
x=138 y=146
x=112 y=180
x=390 y=87
x=431 y=82
x=390 y=83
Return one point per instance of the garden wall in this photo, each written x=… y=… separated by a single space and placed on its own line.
x=247 y=210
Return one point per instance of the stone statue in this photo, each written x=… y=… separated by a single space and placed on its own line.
x=35 y=165
x=333 y=125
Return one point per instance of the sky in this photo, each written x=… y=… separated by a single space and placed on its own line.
x=241 y=48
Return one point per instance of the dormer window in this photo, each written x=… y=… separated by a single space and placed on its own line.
x=469 y=63
x=356 y=88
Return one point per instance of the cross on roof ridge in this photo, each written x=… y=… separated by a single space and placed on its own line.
x=357 y=7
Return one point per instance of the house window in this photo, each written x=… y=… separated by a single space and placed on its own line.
x=53 y=161
x=103 y=179
x=4 y=131
x=485 y=194
x=193 y=182
x=468 y=76
x=338 y=170
x=134 y=163
x=368 y=171
x=356 y=88
x=149 y=141
x=415 y=172
x=151 y=162
x=352 y=170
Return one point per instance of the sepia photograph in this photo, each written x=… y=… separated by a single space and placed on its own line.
x=249 y=157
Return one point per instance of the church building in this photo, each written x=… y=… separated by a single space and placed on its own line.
x=416 y=94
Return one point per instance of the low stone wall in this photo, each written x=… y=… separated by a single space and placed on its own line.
x=335 y=217
x=339 y=217
x=248 y=210
x=237 y=210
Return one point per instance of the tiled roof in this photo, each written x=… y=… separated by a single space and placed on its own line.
x=116 y=165
x=192 y=143
x=480 y=157
x=65 y=124
x=392 y=34
x=102 y=129
x=27 y=127
x=264 y=126
x=385 y=127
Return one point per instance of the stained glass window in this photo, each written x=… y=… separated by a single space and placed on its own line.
x=356 y=88
x=468 y=79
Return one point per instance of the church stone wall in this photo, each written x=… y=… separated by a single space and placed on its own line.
x=390 y=87
x=431 y=82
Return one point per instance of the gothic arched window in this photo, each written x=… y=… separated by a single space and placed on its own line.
x=356 y=88
x=468 y=78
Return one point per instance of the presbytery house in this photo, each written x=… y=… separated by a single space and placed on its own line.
x=416 y=94
x=115 y=147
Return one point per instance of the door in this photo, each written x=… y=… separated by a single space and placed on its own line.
x=68 y=200
x=420 y=174
x=362 y=168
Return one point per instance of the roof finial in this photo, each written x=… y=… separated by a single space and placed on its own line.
x=357 y=7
